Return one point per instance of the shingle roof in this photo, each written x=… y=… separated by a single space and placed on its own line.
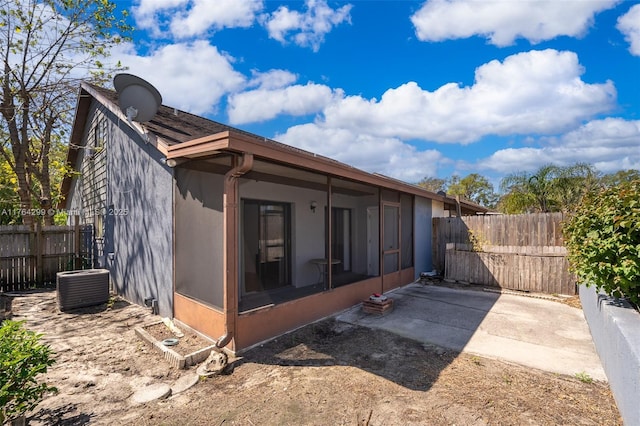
x=174 y=126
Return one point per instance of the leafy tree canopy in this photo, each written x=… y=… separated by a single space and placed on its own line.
x=603 y=240
x=548 y=189
x=473 y=187
x=433 y=184
x=46 y=48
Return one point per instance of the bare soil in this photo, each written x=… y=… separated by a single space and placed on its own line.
x=328 y=373
x=189 y=343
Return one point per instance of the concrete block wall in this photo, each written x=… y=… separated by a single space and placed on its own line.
x=615 y=328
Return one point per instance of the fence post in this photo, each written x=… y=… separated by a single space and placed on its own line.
x=77 y=263
x=39 y=244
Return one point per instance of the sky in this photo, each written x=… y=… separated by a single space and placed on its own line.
x=408 y=89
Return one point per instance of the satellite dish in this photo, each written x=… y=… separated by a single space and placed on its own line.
x=137 y=98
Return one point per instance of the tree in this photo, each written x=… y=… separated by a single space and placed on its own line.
x=551 y=188
x=603 y=240
x=619 y=177
x=433 y=184
x=9 y=201
x=47 y=47
x=473 y=187
x=572 y=183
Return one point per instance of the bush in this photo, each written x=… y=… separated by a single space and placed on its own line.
x=22 y=358
x=603 y=241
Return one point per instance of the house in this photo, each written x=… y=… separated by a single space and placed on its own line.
x=239 y=237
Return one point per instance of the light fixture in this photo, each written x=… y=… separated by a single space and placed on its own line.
x=313 y=206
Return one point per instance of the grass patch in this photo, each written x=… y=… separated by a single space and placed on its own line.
x=584 y=377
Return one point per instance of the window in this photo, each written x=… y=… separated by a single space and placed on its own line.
x=266 y=245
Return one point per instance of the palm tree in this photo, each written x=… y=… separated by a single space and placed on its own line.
x=526 y=192
x=573 y=183
x=550 y=188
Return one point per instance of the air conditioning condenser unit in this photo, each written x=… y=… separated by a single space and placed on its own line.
x=77 y=289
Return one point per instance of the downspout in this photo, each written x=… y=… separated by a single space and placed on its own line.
x=230 y=237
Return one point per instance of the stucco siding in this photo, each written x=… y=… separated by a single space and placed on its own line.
x=437 y=209
x=139 y=221
x=307 y=237
x=199 y=232
x=130 y=208
x=423 y=235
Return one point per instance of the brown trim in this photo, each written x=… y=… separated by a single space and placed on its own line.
x=329 y=232
x=264 y=324
x=230 y=257
x=380 y=242
x=199 y=316
x=200 y=147
x=391 y=276
x=261 y=147
x=407 y=275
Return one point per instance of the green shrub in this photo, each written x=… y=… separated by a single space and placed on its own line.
x=22 y=359
x=603 y=241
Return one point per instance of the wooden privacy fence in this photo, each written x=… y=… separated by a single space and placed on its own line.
x=527 y=268
x=31 y=258
x=519 y=252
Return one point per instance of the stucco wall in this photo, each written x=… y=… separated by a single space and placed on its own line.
x=199 y=231
x=358 y=206
x=138 y=220
x=141 y=186
x=615 y=328
x=307 y=227
x=437 y=209
x=423 y=235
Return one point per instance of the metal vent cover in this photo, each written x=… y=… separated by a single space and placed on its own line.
x=77 y=289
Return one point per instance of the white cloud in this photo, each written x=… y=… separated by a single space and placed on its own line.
x=610 y=144
x=305 y=29
x=532 y=92
x=272 y=79
x=190 y=18
x=629 y=25
x=504 y=21
x=196 y=88
x=387 y=156
x=154 y=16
x=263 y=104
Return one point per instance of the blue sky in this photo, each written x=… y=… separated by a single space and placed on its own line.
x=408 y=89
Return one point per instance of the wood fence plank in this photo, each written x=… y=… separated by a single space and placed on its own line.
x=31 y=258
x=523 y=252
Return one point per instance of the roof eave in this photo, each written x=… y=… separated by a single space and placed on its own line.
x=239 y=142
x=80 y=117
x=86 y=93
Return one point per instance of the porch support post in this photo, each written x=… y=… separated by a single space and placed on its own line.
x=329 y=232
x=230 y=237
x=381 y=239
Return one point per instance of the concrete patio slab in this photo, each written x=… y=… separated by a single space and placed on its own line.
x=532 y=332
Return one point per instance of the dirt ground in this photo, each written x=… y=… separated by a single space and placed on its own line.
x=328 y=373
